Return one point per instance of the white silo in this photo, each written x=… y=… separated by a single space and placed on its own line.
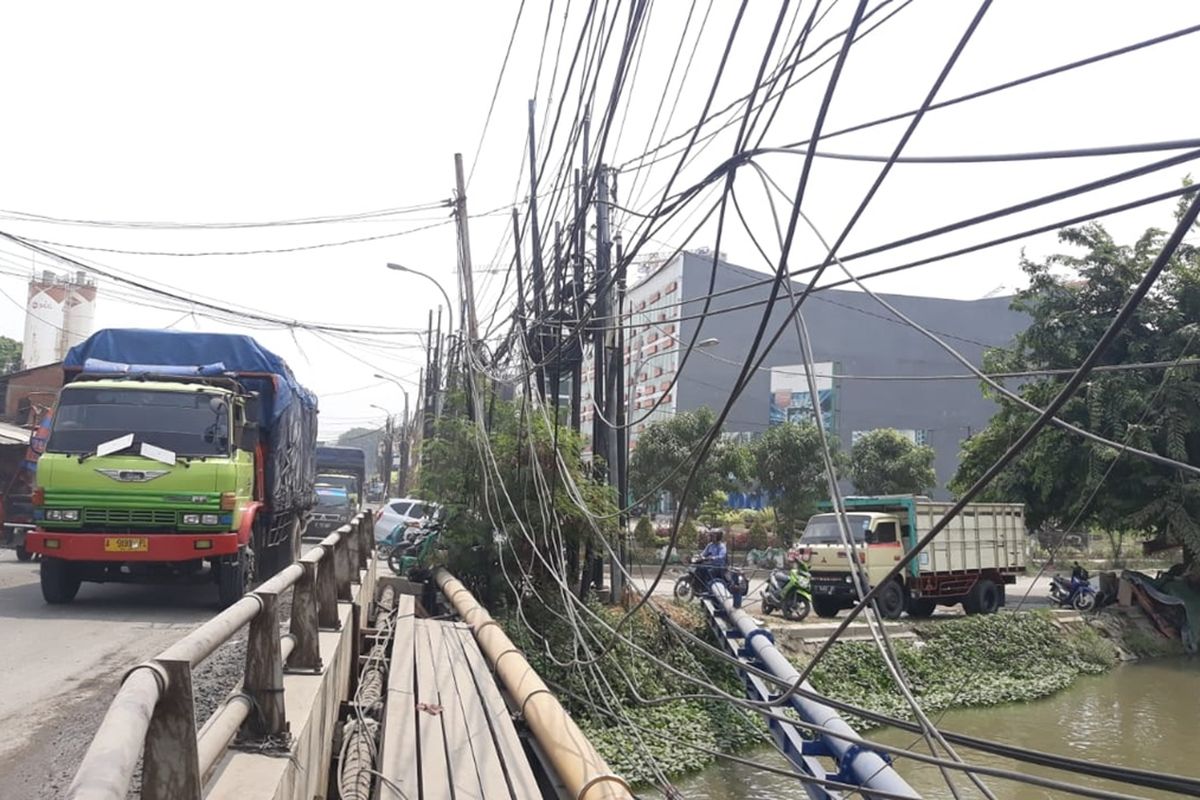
x=79 y=312
x=44 y=316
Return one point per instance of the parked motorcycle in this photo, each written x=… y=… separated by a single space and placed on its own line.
x=789 y=592
x=694 y=582
x=1076 y=591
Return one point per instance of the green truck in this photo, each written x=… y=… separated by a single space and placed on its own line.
x=970 y=561
x=173 y=457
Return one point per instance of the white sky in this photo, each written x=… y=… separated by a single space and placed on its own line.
x=261 y=111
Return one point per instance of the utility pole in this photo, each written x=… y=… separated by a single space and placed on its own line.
x=577 y=314
x=406 y=427
x=607 y=345
x=621 y=439
x=539 y=283
x=464 y=248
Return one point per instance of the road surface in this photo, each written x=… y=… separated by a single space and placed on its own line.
x=61 y=666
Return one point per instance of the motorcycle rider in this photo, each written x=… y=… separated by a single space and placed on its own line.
x=714 y=558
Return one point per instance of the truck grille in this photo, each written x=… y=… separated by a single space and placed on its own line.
x=127 y=516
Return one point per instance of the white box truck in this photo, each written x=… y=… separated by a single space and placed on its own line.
x=970 y=561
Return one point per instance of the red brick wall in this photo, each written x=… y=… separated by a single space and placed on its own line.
x=39 y=385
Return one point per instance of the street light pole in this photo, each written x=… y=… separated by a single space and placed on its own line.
x=405 y=432
x=387 y=451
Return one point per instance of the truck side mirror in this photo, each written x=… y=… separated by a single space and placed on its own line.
x=248 y=440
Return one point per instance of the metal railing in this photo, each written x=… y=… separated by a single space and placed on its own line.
x=153 y=713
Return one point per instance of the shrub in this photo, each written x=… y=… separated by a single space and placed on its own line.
x=757 y=537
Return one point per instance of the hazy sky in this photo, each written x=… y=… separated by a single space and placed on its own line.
x=237 y=112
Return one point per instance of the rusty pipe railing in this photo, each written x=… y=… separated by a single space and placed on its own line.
x=153 y=713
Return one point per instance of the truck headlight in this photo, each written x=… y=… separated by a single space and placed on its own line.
x=191 y=519
x=54 y=514
x=846 y=578
x=209 y=519
x=70 y=515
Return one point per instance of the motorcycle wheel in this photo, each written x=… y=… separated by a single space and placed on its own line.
x=1084 y=601
x=683 y=588
x=800 y=609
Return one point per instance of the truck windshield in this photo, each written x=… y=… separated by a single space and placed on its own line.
x=183 y=422
x=328 y=497
x=343 y=482
x=824 y=529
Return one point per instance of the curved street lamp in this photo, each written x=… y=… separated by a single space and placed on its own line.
x=431 y=279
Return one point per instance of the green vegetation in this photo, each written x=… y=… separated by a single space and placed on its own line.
x=885 y=461
x=788 y=464
x=974 y=661
x=602 y=697
x=643 y=535
x=456 y=473
x=10 y=355
x=665 y=452
x=1070 y=300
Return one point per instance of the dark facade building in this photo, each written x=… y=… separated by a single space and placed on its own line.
x=868 y=365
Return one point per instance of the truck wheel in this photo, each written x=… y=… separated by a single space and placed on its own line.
x=233 y=578
x=891 y=600
x=921 y=607
x=983 y=599
x=826 y=607
x=23 y=554
x=60 y=581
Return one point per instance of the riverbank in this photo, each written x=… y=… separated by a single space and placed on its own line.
x=982 y=660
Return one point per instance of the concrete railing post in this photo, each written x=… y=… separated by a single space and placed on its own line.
x=305 y=622
x=264 y=670
x=327 y=611
x=341 y=562
x=352 y=540
x=170 y=763
x=366 y=532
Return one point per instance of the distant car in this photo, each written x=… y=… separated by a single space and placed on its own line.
x=400 y=511
x=347 y=483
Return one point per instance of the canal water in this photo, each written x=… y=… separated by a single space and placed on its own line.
x=1142 y=715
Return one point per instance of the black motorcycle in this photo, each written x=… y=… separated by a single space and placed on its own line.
x=699 y=574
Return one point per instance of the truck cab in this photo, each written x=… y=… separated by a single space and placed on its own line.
x=877 y=544
x=143 y=479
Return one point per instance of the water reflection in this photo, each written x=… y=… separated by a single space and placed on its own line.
x=1141 y=715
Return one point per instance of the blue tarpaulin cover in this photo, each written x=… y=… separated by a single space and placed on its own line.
x=288 y=410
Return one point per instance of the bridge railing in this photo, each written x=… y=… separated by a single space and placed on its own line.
x=153 y=714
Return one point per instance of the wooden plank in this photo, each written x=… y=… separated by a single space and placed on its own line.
x=504 y=733
x=466 y=766
x=434 y=764
x=398 y=760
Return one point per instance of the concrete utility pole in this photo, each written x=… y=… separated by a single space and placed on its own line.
x=607 y=360
x=464 y=260
x=535 y=263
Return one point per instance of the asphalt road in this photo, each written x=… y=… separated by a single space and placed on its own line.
x=61 y=666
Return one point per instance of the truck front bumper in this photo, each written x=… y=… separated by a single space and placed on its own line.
x=833 y=586
x=14 y=533
x=107 y=546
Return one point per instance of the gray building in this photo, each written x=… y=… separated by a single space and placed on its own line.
x=854 y=339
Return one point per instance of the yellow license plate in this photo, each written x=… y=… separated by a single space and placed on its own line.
x=127 y=544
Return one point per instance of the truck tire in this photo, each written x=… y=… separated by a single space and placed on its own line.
x=23 y=554
x=891 y=600
x=984 y=598
x=921 y=607
x=60 y=581
x=826 y=608
x=233 y=578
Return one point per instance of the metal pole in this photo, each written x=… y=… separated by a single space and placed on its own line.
x=865 y=768
x=576 y=315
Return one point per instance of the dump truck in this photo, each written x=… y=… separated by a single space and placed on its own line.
x=345 y=467
x=173 y=457
x=970 y=561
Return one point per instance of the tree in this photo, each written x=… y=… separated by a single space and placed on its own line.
x=665 y=453
x=885 y=461
x=1061 y=478
x=10 y=355
x=788 y=464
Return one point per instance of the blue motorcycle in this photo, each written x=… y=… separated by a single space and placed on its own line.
x=1076 y=592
